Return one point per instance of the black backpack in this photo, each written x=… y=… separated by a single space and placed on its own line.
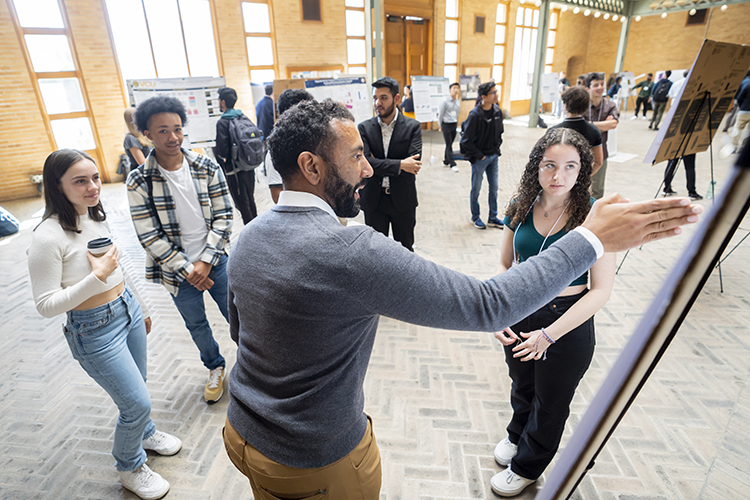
x=661 y=92
x=247 y=143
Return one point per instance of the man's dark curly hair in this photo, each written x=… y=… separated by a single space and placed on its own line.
x=529 y=187
x=290 y=97
x=156 y=105
x=591 y=77
x=576 y=100
x=304 y=127
x=485 y=88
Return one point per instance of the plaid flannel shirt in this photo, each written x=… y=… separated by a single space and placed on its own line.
x=159 y=233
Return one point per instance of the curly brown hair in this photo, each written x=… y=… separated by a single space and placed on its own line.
x=529 y=188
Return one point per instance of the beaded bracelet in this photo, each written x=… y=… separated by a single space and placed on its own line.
x=536 y=344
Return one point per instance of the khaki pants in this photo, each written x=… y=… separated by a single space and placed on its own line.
x=743 y=127
x=357 y=476
x=597 y=182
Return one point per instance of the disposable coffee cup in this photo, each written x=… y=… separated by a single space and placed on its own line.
x=99 y=246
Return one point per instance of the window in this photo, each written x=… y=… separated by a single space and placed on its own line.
x=450 y=60
x=55 y=75
x=356 y=47
x=479 y=22
x=551 y=38
x=259 y=39
x=524 y=53
x=311 y=10
x=498 y=56
x=163 y=38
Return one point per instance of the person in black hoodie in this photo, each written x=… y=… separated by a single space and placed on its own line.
x=480 y=144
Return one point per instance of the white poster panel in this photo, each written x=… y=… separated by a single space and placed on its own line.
x=352 y=91
x=550 y=83
x=200 y=97
x=428 y=92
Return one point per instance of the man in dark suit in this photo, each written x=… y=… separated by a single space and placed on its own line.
x=393 y=146
x=264 y=112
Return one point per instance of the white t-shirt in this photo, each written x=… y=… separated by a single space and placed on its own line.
x=274 y=179
x=193 y=228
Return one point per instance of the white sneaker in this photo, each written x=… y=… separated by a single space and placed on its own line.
x=505 y=451
x=144 y=482
x=454 y=168
x=644 y=118
x=162 y=443
x=509 y=484
x=634 y=117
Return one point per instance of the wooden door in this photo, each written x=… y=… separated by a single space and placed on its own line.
x=395 y=54
x=417 y=45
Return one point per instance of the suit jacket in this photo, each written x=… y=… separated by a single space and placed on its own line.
x=406 y=141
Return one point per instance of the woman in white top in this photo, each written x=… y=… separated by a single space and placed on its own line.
x=106 y=330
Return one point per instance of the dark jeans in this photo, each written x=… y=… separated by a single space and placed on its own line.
x=402 y=223
x=689 y=162
x=542 y=390
x=638 y=102
x=449 y=135
x=242 y=188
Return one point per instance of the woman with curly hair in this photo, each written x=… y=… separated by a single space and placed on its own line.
x=548 y=352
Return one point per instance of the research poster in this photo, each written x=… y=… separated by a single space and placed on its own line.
x=200 y=97
x=428 y=92
x=352 y=91
x=718 y=70
x=550 y=83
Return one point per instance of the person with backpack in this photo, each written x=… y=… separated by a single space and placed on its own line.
x=182 y=213
x=239 y=151
x=659 y=98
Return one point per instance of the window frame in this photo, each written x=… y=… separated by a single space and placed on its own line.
x=504 y=45
x=363 y=38
x=35 y=76
x=457 y=42
x=271 y=34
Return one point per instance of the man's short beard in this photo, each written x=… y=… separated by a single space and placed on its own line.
x=340 y=194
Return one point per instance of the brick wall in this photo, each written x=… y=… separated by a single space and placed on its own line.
x=307 y=43
x=24 y=143
x=233 y=50
x=100 y=79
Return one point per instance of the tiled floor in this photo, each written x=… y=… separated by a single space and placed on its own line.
x=439 y=399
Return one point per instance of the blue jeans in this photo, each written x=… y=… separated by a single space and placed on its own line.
x=189 y=301
x=109 y=342
x=488 y=165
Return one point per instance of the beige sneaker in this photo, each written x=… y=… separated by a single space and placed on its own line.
x=215 y=385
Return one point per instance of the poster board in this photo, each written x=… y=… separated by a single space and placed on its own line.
x=718 y=69
x=428 y=92
x=469 y=87
x=352 y=91
x=550 y=83
x=200 y=95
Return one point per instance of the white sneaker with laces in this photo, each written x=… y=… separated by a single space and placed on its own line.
x=454 y=168
x=505 y=451
x=162 y=443
x=644 y=118
x=144 y=482
x=509 y=484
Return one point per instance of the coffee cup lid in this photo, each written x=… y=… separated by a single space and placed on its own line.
x=99 y=243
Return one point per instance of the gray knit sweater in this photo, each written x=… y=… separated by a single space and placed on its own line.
x=305 y=296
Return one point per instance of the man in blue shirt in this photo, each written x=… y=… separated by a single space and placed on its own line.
x=264 y=112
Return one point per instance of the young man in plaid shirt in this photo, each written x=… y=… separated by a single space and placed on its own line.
x=182 y=212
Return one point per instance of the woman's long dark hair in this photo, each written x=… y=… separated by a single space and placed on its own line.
x=56 y=203
x=529 y=187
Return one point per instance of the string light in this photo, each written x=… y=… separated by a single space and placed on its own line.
x=606 y=16
x=724 y=7
x=637 y=18
x=622 y=19
x=664 y=15
x=586 y=12
x=576 y=10
x=614 y=18
x=597 y=14
x=692 y=12
x=564 y=8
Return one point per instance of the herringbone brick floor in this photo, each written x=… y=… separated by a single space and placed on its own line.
x=439 y=399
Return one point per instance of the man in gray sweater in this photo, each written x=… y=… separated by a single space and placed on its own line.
x=306 y=293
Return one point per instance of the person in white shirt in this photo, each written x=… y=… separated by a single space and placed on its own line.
x=105 y=329
x=448 y=112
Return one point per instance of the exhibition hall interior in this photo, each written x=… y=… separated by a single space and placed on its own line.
x=432 y=234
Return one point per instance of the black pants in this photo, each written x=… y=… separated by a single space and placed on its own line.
x=689 y=162
x=401 y=223
x=242 y=188
x=449 y=135
x=542 y=390
x=638 y=102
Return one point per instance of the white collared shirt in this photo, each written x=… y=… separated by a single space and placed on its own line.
x=303 y=199
x=387 y=131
